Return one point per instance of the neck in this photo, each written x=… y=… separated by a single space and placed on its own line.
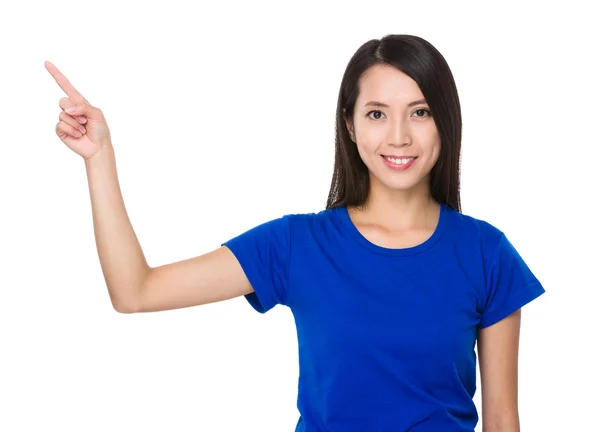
x=400 y=209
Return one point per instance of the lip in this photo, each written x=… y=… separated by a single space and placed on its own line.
x=399 y=157
x=399 y=167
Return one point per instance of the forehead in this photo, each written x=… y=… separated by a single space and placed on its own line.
x=387 y=84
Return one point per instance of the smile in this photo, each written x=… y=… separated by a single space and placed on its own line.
x=398 y=163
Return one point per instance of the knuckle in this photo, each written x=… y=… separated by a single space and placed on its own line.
x=65 y=117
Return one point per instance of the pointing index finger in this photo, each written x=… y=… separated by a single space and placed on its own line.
x=64 y=83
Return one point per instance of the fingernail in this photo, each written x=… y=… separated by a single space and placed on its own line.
x=81 y=129
x=71 y=110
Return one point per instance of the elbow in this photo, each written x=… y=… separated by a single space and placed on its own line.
x=124 y=306
x=124 y=309
x=507 y=423
x=129 y=301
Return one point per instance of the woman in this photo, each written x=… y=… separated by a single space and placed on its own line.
x=390 y=286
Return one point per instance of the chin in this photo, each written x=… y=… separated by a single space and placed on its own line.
x=398 y=185
x=401 y=187
x=398 y=182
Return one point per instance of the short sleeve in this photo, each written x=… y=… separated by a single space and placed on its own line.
x=510 y=284
x=264 y=254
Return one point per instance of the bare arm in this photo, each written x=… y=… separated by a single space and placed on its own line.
x=121 y=257
x=133 y=286
x=208 y=278
x=498 y=347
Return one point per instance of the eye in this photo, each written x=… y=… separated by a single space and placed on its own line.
x=374 y=111
x=423 y=109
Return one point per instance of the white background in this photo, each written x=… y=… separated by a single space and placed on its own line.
x=222 y=117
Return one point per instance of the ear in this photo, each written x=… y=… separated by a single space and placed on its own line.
x=349 y=126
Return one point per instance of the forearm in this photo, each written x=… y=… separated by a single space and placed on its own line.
x=121 y=257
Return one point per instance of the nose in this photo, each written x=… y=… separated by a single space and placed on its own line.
x=399 y=133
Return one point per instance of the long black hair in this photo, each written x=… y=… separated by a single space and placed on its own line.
x=421 y=61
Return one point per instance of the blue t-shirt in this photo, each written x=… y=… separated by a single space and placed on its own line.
x=386 y=337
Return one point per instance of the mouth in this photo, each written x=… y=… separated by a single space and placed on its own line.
x=398 y=163
x=399 y=160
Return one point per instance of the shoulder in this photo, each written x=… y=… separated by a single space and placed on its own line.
x=312 y=220
x=485 y=241
x=467 y=229
x=288 y=225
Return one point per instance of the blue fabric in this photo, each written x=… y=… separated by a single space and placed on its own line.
x=386 y=337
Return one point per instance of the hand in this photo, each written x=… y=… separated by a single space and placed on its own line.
x=94 y=133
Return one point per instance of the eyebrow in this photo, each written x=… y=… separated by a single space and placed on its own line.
x=381 y=104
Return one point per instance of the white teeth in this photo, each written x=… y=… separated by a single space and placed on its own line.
x=399 y=161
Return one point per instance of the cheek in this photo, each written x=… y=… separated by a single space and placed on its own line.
x=436 y=150
x=365 y=141
x=362 y=152
x=369 y=141
x=436 y=146
x=371 y=136
x=434 y=154
x=366 y=154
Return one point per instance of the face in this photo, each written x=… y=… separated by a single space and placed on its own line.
x=393 y=129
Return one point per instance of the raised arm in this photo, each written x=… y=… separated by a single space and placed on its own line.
x=134 y=286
